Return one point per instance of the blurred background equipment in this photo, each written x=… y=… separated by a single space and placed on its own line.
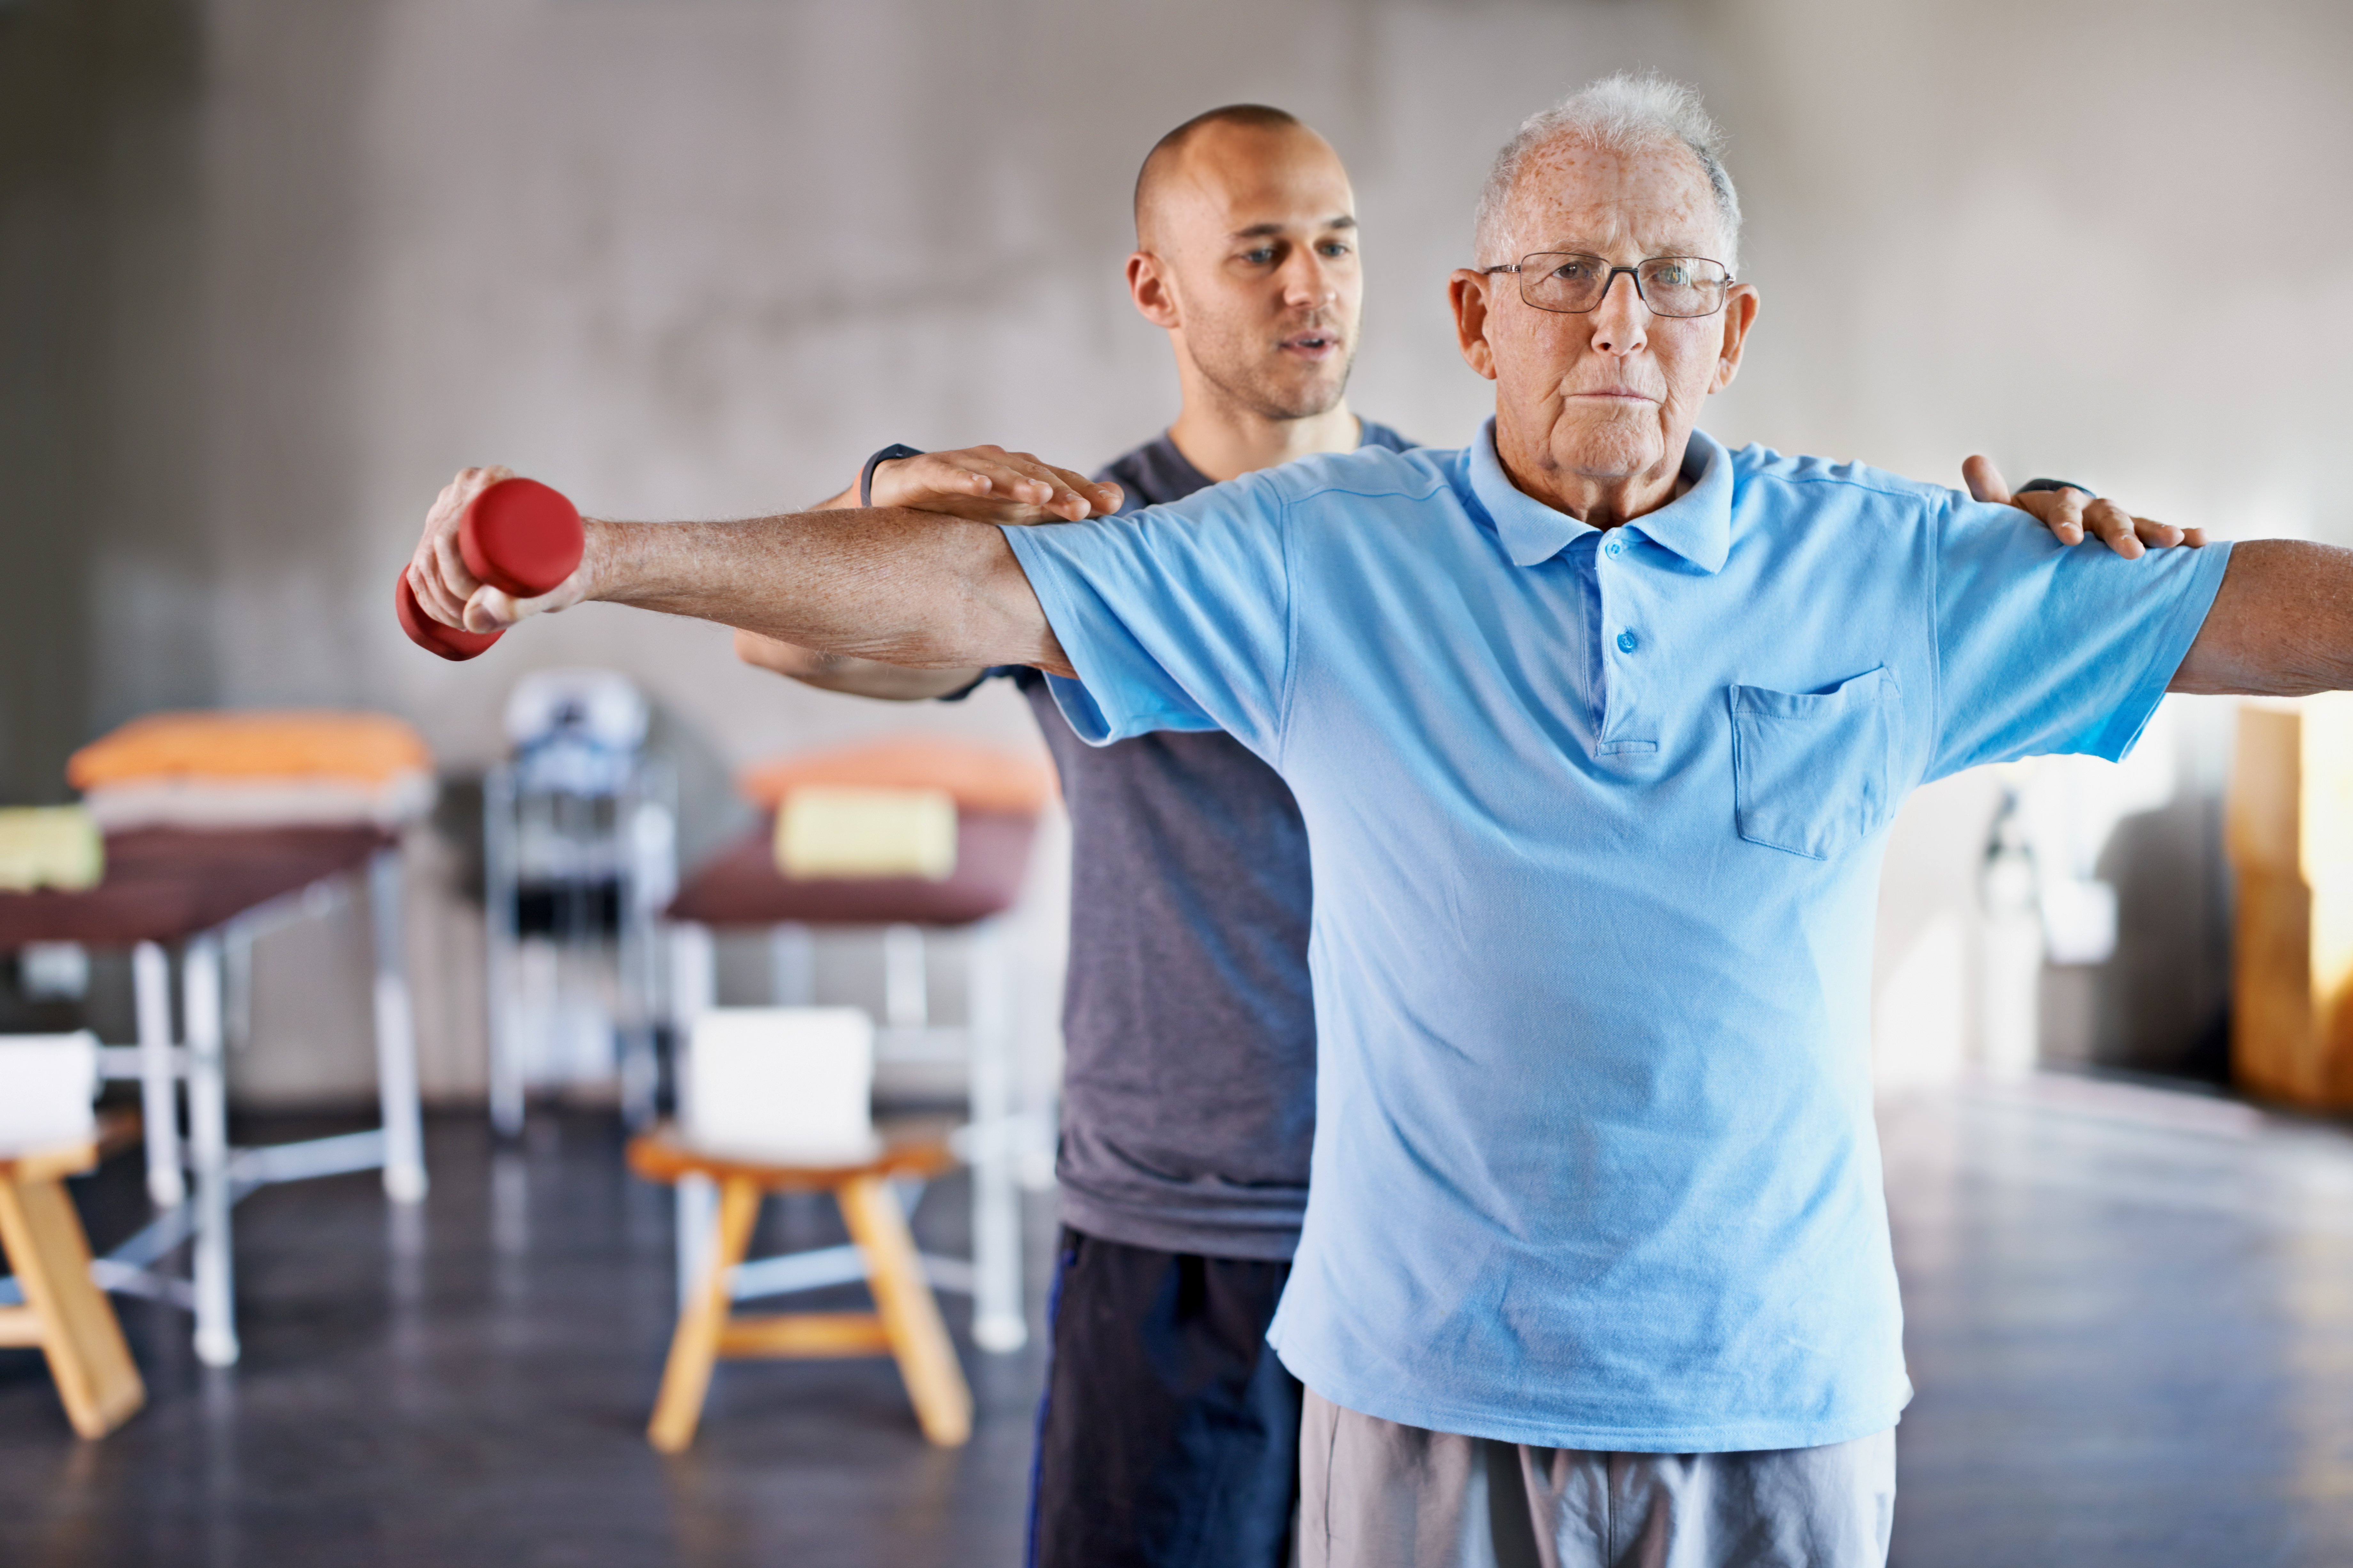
x=777 y=1100
x=221 y=827
x=873 y=1193
x=579 y=857
x=790 y=1085
x=2291 y=839
x=50 y=846
x=53 y=1304
x=47 y=1084
x=996 y=795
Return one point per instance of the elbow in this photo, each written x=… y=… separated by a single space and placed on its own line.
x=778 y=658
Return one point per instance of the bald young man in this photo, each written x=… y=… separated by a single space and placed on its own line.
x=1169 y=1430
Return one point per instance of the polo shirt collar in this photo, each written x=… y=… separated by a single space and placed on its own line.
x=1695 y=525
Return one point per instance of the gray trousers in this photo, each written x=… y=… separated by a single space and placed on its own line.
x=1374 y=1494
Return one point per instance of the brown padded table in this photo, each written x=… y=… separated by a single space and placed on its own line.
x=164 y=884
x=740 y=885
x=193 y=889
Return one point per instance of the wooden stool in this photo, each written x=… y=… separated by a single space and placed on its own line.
x=906 y=1323
x=66 y=1315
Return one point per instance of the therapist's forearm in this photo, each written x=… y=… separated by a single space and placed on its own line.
x=2281 y=624
x=907 y=588
x=848 y=675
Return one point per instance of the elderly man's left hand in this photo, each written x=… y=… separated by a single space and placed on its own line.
x=2070 y=513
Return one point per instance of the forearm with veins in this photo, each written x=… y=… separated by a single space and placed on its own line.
x=908 y=588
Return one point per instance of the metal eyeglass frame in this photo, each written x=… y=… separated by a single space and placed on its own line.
x=1610 y=282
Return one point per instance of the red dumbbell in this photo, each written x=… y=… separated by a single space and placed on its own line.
x=518 y=536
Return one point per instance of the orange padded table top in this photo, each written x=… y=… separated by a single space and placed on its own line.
x=740 y=885
x=232 y=746
x=166 y=883
x=980 y=778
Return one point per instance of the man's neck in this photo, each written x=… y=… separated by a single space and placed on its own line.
x=1601 y=502
x=1224 y=441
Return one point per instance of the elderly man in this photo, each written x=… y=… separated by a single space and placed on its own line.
x=1169 y=1431
x=1597 y=728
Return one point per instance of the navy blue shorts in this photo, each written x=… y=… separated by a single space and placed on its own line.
x=1168 y=1435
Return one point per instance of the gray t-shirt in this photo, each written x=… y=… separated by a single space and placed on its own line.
x=1188 y=1087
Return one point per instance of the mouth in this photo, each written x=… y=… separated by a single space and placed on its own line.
x=1311 y=344
x=1619 y=393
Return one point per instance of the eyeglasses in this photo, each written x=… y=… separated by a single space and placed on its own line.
x=1572 y=283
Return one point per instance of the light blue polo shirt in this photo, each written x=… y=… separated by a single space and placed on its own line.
x=1596 y=825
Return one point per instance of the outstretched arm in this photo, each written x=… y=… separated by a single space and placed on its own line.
x=2281 y=624
x=905 y=587
x=908 y=588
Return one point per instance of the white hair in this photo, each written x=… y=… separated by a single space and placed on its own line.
x=1623 y=114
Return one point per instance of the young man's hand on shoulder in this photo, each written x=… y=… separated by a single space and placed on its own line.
x=979 y=484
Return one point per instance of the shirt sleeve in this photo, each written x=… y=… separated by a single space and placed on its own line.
x=2042 y=649
x=1175 y=618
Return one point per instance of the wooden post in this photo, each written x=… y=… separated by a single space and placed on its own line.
x=2289 y=831
x=65 y=1314
x=678 y=1409
x=910 y=1315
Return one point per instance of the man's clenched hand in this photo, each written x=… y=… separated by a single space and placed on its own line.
x=453 y=595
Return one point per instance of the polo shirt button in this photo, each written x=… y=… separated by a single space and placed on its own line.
x=1627 y=642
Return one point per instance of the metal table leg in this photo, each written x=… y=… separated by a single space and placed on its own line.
x=997 y=1323
x=507 y=1087
x=693 y=991
x=159 y=1089
x=792 y=966
x=395 y=1037
x=698 y=1227
x=200 y=980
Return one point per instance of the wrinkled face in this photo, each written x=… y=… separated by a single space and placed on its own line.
x=1609 y=396
x=1257 y=228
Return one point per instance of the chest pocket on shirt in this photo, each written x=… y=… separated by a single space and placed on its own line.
x=1812 y=772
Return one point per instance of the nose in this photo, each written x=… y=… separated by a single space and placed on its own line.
x=1307 y=284
x=1622 y=322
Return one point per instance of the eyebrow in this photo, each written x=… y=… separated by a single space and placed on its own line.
x=1587 y=248
x=1269 y=230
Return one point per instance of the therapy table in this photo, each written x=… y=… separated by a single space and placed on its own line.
x=209 y=893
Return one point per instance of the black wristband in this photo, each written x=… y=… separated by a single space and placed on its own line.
x=2056 y=485
x=890 y=454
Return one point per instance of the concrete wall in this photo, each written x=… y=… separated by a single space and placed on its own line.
x=273 y=269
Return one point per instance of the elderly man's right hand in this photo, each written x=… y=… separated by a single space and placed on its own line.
x=452 y=595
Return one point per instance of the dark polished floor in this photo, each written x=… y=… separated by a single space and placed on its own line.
x=2131 y=1327
x=471 y=1385
x=2129 y=1318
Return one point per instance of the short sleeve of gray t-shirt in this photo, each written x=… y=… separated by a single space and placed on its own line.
x=1188 y=1087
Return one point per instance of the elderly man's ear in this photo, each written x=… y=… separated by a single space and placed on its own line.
x=1739 y=314
x=1466 y=296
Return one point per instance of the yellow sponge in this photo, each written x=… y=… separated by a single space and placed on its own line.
x=831 y=830
x=50 y=846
